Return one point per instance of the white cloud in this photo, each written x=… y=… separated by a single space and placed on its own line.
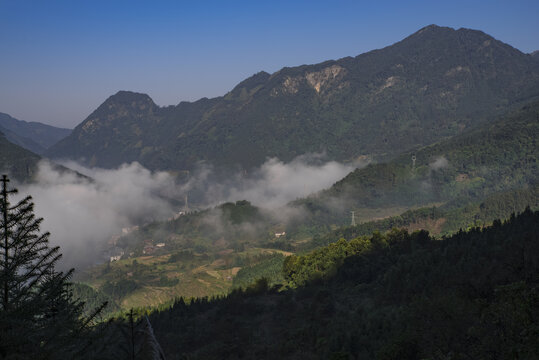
x=440 y=163
x=83 y=213
x=275 y=183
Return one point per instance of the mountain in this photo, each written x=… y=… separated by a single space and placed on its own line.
x=15 y=161
x=468 y=180
x=21 y=141
x=434 y=84
x=445 y=220
x=501 y=155
x=535 y=54
x=21 y=164
x=34 y=136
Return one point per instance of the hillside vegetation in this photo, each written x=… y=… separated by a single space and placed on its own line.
x=198 y=254
x=394 y=296
x=443 y=220
x=472 y=179
x=434 y=84
x=499 y=156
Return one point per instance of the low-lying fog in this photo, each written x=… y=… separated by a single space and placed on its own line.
x=83 y=213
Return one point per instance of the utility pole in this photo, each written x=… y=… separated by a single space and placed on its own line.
x=353 y=219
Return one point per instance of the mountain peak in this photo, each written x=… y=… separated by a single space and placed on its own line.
x=122 y=105
x=432 y=29
x=127 y=102
x=129 y=97
x=438 y=32
x=445 y=80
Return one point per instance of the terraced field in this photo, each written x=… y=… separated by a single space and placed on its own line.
x=155 y=280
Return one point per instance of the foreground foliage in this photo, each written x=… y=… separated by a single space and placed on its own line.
x=38 y=316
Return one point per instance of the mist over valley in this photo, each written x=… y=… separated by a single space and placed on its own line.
x=382 y=205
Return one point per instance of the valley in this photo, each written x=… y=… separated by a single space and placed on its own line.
x=378 y=206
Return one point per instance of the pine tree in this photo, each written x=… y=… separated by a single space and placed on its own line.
x=38 y=316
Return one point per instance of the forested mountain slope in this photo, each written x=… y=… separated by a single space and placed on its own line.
x=434 y=84
x=443 y=220
x=395 y=296
x=498 y=156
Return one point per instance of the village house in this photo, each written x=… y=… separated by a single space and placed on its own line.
x=148 y=249
x=115 y=258
x=114 y=254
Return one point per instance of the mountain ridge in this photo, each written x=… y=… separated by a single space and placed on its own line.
x=33 y=136
x=16 y=161
x=499 y=156
x=431 y=85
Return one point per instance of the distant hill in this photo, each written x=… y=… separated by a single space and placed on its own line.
x=535 y=54
x=22 y=141
x=15 y=161
x=21 y=164
x=434 y=84
x=34 y=136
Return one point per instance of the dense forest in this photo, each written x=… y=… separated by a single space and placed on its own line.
x=386 y=296
x=442 y=220
x=500 y=156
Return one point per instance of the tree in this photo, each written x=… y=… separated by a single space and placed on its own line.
x=38 y=316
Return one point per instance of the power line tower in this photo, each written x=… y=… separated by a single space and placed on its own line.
x=353 y=223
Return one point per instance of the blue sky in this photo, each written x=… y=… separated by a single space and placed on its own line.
x=60 y=59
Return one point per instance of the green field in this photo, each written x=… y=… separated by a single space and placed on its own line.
x=153 y=280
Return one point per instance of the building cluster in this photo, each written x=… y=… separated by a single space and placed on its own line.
x=115 y=254
x=150 y=248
